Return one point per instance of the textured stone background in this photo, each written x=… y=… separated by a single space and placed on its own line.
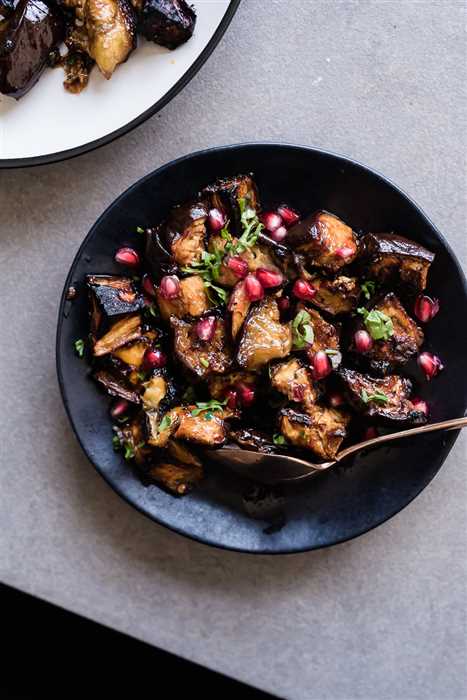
x=380 y=617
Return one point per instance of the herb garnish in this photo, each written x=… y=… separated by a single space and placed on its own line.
x=79 y=347
x=116 y=444
x=377 y=323
x=221 y=293
x=378 y=396
x=279 y=439
x=251 y=225
x=139 y=229
x=210 y=406
x=165 y=423
x=368 y=288
x=204 y=362
x=302 y=330
x=141 y=376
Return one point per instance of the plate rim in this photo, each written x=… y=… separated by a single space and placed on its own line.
x=450 y=439
x=67 y=154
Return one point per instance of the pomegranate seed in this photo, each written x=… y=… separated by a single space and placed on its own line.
x=303 y=290
x=298 y=392
x=321 y=365
x=128 y=257
x=283 y=303
x=335 y=399
x=206 y=327
x=363 y=341
x=119 y=408
x=154 y=359
x=253 y=288
x=370 y=433
x=238 y=265
x=430 y=364
x=170 y=287
x=279 y=234
x=246 y=394
x=426 y=308
x=420 y=405
x=216 y=219
x=269 y=278
x=344 y=252
x=232 y=399
x=148 y=286
x=271 y=220
x=289 y=216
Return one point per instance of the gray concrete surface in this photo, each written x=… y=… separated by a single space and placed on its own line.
x=381 y=617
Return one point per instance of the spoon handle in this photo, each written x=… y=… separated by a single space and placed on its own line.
x=431 y=427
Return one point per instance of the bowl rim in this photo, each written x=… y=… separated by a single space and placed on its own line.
x=67 y=154
x=451 y=439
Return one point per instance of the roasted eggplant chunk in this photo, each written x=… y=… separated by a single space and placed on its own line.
x=185 y=233
x=239 y=305
x=111 y=30
x=293 y=379
x=325 y=334
x=252 y=439
x=234 y=195
x=132 y=440
x=160 y=428
x=201 y=358
x=204 y=428
x=116 y=386
x=122 y=332
x=392 y=259
x=27 y=37
x=132 y=354
x=404 y=342
x=264 y=337
x=193 y=300
x=181 y=453
x=320 y=429
x=179 y=479
x=158 y=258
x=219 y=385
x=338 y=295
x=386 y=399
x=115 y=295
x=169 y=23
x=324 y=240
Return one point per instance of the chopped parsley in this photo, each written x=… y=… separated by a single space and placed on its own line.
x=302 y=330
x=79 y=347
x=165 y=423
x=209 y=406
x=204 y=362
x=208 y=267
x=251 y=226
x=378 y=397
x=139 y=229
x=116 y=444
x=222 y=294
x=368 y=288
x=279 y=439
x=141 y=376
x=377 y=323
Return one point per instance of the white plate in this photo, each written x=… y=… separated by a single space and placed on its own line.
x=50 y=124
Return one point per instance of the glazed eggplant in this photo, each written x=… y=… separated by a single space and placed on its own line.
x=185 y=233
x=325 y=334
x=239 y=306
x=179 y=479
x=114 y=295
x=160 y=428
x=132 y=354
x=122 y=332
x=111 y=31
x=320 y=429
x=324 y=240
x=116 y=386
x=335 y=295
x=252 y=439
x=201 y=358
x=180 y=453
x=204 y=428
x=158 y=391
x=234 y=196
x=158 y=258
x=392 y=259
x=168 y=23
x=294 y=380
x=386 y=399
x=264 y=337
x=192 y=301
x=27 y=36
x=406 y=338
x=219 y=385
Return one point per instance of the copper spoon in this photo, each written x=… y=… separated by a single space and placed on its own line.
x=279 y=468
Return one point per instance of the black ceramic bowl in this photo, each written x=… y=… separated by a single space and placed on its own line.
x=339 y=504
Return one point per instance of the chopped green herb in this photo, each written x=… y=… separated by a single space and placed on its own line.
x=331 y=351
x=139 y=229
x=378 y=397
x=377 y=323
x=208 y=267
x=222 y=294
x=79 y=347
x=129 y=450
x=208 y=415
x=251 y=225
x=165 y=423
x=152 y=310
x=210 y=406
x=204 y=362
x=116 y=444
x=368 y=288
x=279 y=439
x=141 y=376
x=302 y=330
x=225 y=233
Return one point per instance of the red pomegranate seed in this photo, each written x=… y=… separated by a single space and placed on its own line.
x=279 y=234
x=148 y=286
x=170 y=287
x=370 y=433
x=430 y=364
x=303 y=290
x=289 y=216
x=344 y=252
x=426 y=308
x=283 y=303
x=238 y=265
x=216 y=219
x=246 y=394
x=232 y=399
x=420 y=405
x=154 y=359
x=363 y=341
x=128 y=257
x=253 y=288
x=269 y=278
x=271 y=220
x=335 y=399
x=119 y=408
x=206 y=327
x=298 y=392
x=321 y=365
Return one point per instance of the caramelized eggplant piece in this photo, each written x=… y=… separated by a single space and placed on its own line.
x=326 y=335
x=132 y=354
x=392 y=259
x=192 y=301
x=232 y=195
x=185 y=233
x=179 y=479
x=160 y=428
x=336 y=295
x=252 y=439
x=199 y=357
x=264 y=337
x=324 y=240
x=121 y=333
x=116 y=386
x=155 y=391
x=157 y=257
x=111 y=29
x=114 y=295
x=294 y=380
x=132 y=438
x=27 y=37
x=180 y=453
x=386 y=399
x=405 y=341
x=204 y=428
x=239 y=305
x=219 y=385
x=168 y=23
x=320 y=429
